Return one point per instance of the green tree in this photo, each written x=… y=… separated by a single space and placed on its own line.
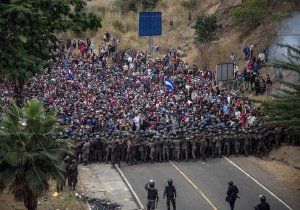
x=285 y=110
x=30 y=156
x=250 y=14
x=28 y=30
x=206 y=27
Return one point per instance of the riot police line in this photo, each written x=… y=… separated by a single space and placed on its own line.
x=183 y=144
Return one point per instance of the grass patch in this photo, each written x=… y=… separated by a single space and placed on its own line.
x=63 y=202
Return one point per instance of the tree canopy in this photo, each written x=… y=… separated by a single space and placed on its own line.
x=29 y=155
x=285 y=110
x=28 y=32
x=206 y=27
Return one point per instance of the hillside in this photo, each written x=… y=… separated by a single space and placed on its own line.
x=231 y=38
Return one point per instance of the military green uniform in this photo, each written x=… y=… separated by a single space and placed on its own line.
x=237 y=145
x=86 y=152
x=246 y=142
x=172 y=149
x=211 y=145
x=152 y=151
x=141 y=149
x=166 y=150
x=184 y=147
x=194 y=149
x=158 y=150
x=227 y=144
x=107 y=151
x=203 y=146
x=218 y=149
x=177 y=150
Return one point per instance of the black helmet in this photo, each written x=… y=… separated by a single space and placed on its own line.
x=262 y=198
x=230 y=183
x=151 y=183
x=170 y=181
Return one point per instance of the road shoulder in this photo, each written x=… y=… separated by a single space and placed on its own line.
x=283 y=180
x=101 y=181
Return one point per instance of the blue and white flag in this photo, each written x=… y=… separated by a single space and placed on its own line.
x=169 y=84
x=70 y=75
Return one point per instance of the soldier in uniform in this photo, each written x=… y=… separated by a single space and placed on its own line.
x=227 y=144
x=246 y=143
x=152 y=151
x=166 y=150
x=177 y=149
x=211 y=145
x=86 y=152
x=237 y=144
x=172 y=148
x=116 y=153
x=108 y=145
x=72 y=172
x=123 y=149
x=194 y=149
x=141 y=149
x=78 y=150
x=184 y=148
x=218 y=139
x=203 y=146
x=98 y=150
x=147 y=150
x=261 y=148
x=158 y=153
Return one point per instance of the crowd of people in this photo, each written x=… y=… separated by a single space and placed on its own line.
x=115 y=105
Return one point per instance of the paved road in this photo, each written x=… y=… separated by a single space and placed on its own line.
x=199 y=185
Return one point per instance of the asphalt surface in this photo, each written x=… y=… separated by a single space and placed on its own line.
x=199 y=185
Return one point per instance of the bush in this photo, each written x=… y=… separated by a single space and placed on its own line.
x=118 y=25
x=250 y=14
x=206 y=28
x=189 y=4
x=125 y=6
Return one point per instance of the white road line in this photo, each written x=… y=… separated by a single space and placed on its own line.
x=130 y=187
x=261 y=185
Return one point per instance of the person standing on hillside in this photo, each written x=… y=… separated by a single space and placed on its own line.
x=232 y=194
x=190 y=17
x=246 y=52
x=171 y=25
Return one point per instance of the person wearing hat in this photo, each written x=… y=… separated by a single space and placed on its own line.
x=264 y=205
x=232 y=194
x=152 y=195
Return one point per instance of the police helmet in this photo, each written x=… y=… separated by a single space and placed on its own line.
x=262 y=198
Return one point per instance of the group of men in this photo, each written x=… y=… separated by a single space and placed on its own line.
x=193 y=143
x=170 y=193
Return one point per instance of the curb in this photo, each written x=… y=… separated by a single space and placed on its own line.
x=136 y=198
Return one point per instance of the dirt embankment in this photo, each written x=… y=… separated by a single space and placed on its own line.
x=284 y=164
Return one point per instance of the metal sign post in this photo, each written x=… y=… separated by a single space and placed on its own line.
x=150 y=25
x=150 y=44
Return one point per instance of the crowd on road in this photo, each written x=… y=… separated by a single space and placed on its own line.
x=127 y=106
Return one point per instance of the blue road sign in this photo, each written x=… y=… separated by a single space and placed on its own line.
x=150 y=24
